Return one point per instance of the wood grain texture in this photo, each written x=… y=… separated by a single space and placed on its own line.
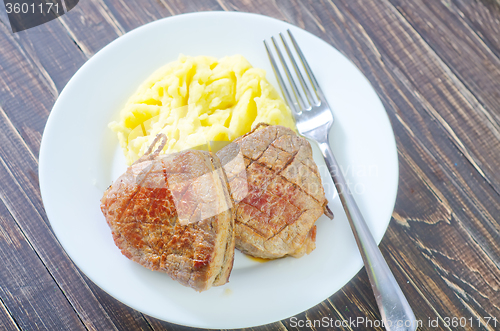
x=463 y=53
x=7 y=322
x=483 y=17
x=435 y=66
x=23 y=89
x=26 y=287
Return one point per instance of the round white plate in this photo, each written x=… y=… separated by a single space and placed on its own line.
x=79 y=158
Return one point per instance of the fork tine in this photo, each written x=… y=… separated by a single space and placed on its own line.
x=286 y=93
x=309 y=72
x=299 y=101
x=305 y=87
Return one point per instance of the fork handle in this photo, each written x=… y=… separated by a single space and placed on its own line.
x=397 y=314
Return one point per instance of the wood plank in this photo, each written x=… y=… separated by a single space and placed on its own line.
x=21 y=197
x=24 y=94
x=436 y=230
x=445 y=98
x=26 y=287
x=131 y=14
x=340 y=310
x=181 y=7
x=37 y=63
x=7 y=323
x=51 y=53
x=4 y=19
x=422 y=131
x=263 y=7
x=483 y=16
x=91 y=26
x=450 y=36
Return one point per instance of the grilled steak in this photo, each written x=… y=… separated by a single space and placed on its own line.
x=284 y=197
x=173 y=213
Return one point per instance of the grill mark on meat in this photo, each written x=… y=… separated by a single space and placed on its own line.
x=298 y=188
x=305 y=165
x=287 y=164
x=269 y=215
x=251 y=227
x=265 y=150
x=276 y=173
x=262 y=153
x=254 y=229
x=266 y=238
x=290 y=160
x=283 y=177
x=317 y=178
x=273 y=143
x=287 y=225
x=301 y=189
x=281 y=173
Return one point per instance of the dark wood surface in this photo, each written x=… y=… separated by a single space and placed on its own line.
x=435 y=65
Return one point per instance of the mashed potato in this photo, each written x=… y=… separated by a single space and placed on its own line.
x=195 y=100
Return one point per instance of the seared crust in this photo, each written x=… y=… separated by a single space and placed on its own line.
x=140 y=208
x=285 y=193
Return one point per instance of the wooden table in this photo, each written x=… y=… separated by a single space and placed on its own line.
x=436 y=67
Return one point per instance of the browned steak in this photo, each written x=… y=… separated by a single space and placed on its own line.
x=172 y=213
x=285 y=195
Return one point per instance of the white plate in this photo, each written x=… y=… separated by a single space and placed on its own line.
x=79 y=158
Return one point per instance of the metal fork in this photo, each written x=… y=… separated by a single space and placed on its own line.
x=314 y=119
